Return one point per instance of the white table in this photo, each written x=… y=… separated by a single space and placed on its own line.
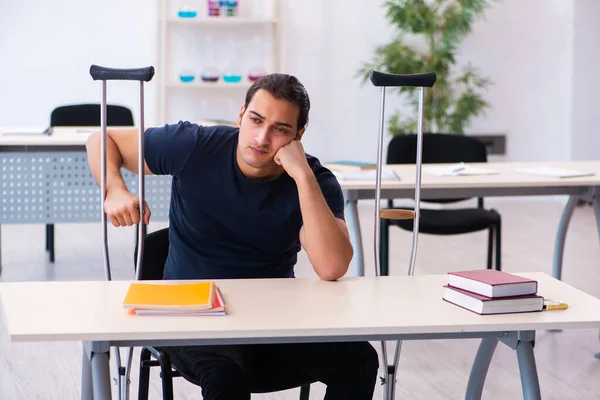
x=287 y=310
x=505 y=183
x=31 y=136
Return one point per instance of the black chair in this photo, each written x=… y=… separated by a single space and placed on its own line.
x=156 y=249
x=84 y=115
x=443 y=148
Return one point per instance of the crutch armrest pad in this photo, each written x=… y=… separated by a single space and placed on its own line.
x=426 y=79
x=397 y=214
x=111 y=74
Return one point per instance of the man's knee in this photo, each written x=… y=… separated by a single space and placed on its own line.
x=225 y=380
x=370 y=358
x=360 y=360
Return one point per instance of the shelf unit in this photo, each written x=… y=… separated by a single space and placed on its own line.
x=222 y=21
x=172 y=54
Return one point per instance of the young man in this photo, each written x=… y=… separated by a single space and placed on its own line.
x=243 y=203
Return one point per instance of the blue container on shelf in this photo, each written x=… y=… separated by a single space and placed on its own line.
x=186 y=78
x=187 y=14
x=230 y=8
x=232 y=78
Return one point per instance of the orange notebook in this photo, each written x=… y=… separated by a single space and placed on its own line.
x=218 y=308
x=170 y=296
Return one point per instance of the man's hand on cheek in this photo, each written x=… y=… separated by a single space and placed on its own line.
x=293 y=159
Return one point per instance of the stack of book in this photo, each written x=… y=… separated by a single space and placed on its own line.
x=492 y=292
x=166 y=298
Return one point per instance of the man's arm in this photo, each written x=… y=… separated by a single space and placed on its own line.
x=324 y=237
x=121 y=151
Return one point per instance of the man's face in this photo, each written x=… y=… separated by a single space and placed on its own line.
x=266 y=125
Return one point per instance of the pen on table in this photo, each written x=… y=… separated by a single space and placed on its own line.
x=459 y=168
x=550 y=304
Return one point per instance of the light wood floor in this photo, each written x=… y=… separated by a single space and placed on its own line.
x=428 y=369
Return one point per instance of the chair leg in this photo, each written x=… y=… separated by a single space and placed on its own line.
x=304 y=392
x=50 y=241
x=144 y=383
x=498 y=246
x=490 y=251
x=384 y=244
x=166 y=375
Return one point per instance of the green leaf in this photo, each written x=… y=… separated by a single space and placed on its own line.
x=468 y=105
x=441 y=25
x=399 y=126
x=413 y=16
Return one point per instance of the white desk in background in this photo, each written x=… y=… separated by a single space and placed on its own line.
x=45 y=179
x=288 y=311
x=505 y=183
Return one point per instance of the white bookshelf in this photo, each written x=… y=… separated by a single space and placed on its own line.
x=179 y=48
x=221 y=21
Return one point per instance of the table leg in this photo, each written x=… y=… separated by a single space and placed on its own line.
x=101 y=376
x=480 y=368
x=355 y=237
x=528 y=370
x=87 y=389
x=596 y=206
x=561 y=235
x=392 y=370
x=98 y=372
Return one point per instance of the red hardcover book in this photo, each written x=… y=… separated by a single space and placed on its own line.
x=492 y=283
x=485 y=305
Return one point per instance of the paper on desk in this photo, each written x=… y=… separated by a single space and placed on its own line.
x=85 y=131
x=28 y=131
x=366 y=175
x=553 y=172
x=457 y=170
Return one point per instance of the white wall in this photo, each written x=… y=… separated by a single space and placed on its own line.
x=47 y=47
x=528 y=48
x=586 y=86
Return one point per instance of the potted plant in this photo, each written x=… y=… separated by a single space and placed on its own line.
x=437 y=27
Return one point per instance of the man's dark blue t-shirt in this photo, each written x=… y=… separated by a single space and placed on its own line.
x=223 y=225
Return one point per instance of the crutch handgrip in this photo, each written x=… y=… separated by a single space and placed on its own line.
x=112 y=74
x=426 y=79
x=397 y=214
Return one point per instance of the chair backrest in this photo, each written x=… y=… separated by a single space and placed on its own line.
x=437 y=148
x=156 y=250
x=89 y=115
